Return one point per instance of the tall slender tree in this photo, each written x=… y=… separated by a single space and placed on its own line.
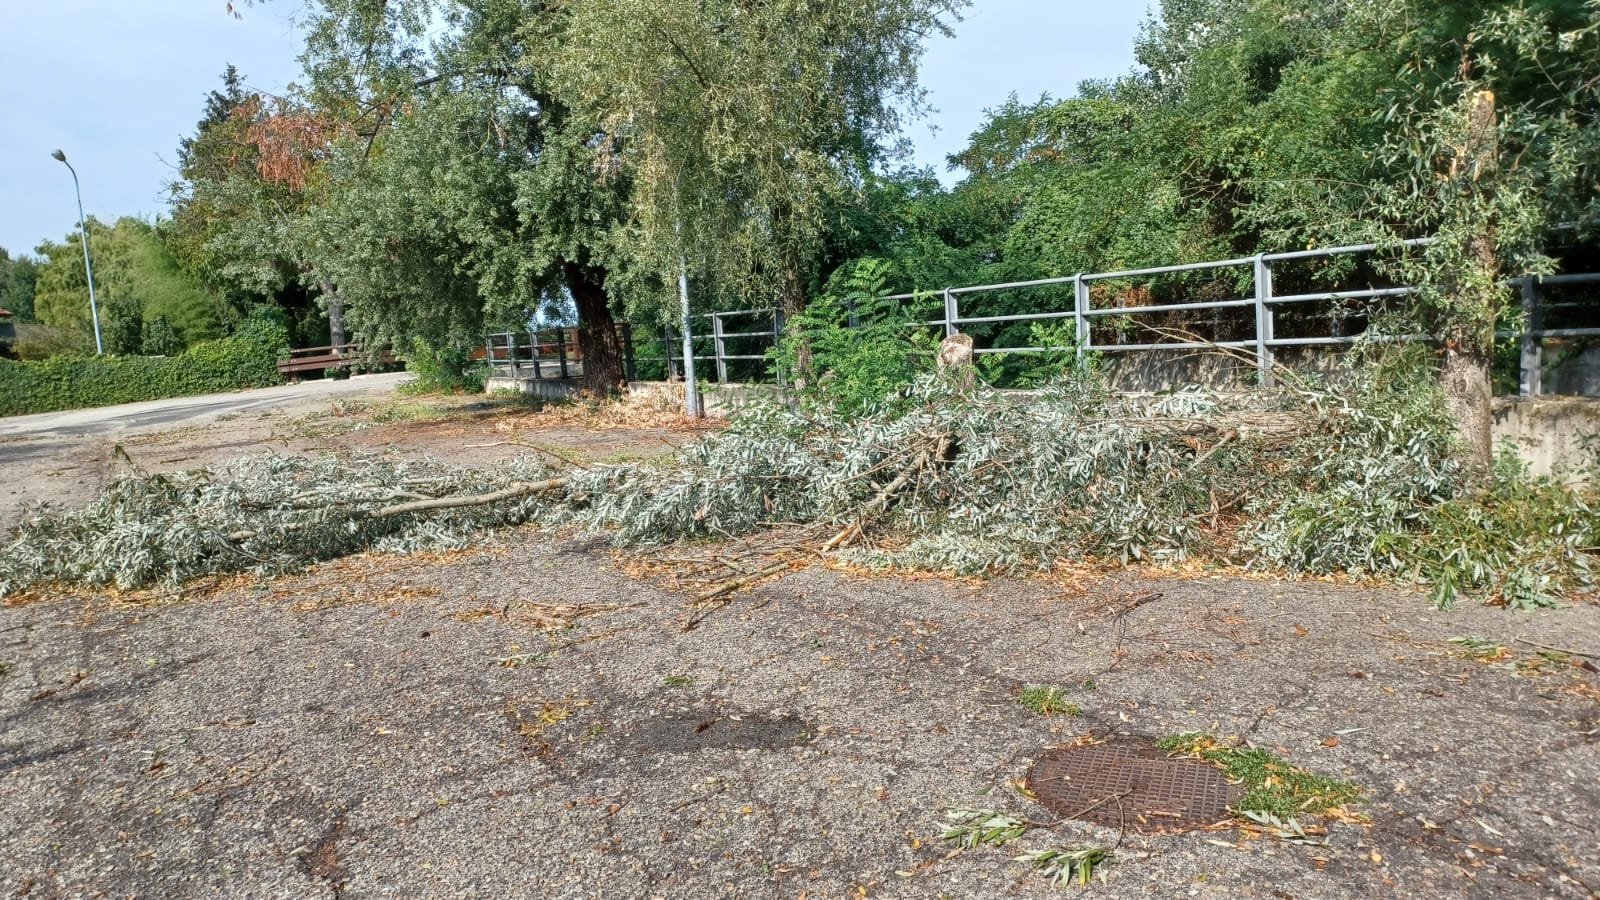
x=741 y=122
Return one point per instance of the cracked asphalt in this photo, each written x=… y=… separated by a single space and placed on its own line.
x=392 y=726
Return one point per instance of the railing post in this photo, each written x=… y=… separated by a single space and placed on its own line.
x=511 y=352
x=777 y=336
x=1080 y=319
x=950 y=314
x=488 y=351
x=1531 y=384
x=721 y=353
x=629 y=364
x=561 y=350
x=1264 y=356
x=666 y=344
x=533 y=352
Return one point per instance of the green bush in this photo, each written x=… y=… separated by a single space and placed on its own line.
x=853 y=369
x=1033 y=370
x=441 y=370
x=160 y=338
x=37 y=342
x=246 y=359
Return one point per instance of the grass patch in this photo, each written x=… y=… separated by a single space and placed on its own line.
x=1047 y=700
x=677 y=681
x=408 y=411
x=1272 y=785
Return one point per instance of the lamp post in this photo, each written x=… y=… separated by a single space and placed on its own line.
x=88 y=270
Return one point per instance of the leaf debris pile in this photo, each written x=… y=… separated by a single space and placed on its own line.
x=1362 y=479
x=264 y=514
x=944 y=475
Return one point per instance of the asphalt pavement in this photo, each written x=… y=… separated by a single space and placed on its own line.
x=154 y=414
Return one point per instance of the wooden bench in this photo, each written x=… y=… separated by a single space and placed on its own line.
x=316 y=359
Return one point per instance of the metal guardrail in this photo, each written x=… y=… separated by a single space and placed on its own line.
x=721 y=347
x=1262 y=299
x=514 y=353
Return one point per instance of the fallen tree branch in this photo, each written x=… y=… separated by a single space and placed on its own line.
x=510 y=492
x=726 y=588
x=881 y=500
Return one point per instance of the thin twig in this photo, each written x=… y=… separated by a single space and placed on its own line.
x=559 y=457
x=1522 y=640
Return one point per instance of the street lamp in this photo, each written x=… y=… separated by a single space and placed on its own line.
x=83 y=229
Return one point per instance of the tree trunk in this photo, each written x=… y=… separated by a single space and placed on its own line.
x=792 y=300
x=1465 y=374
x=1468 y=393
x=598 y=339
x=336 y=335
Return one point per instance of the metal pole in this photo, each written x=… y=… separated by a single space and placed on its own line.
x=561 y=350
x=1080 y=322
x=691 y=390
x=1080 y=308
x=716 y=335
x=777 y=335
x=1263 y=278
x=666 y=349
x=1531 y=384
x=949 y=313
x=88 y=270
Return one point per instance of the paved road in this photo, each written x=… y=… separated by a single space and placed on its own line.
x=153 y=414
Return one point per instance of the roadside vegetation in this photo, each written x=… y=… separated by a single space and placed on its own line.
x=409 y=197
x=1358 y=477
x=367 y=203
x=245 y=359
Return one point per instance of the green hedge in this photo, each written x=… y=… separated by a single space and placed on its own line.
x=246 y=359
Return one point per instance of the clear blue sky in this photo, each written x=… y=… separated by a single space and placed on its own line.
x=115 y=84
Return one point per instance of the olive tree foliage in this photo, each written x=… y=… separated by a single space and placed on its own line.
x=422 y=238
x=741 y=123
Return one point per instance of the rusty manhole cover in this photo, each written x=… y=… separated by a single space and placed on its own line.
x=1126 y=782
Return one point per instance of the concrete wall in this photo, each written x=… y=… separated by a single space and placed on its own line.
x=1572 y=368
x=721 y=400
x=1555 y=435
x=543 y=388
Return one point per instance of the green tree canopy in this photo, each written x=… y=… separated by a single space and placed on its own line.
x=741 y=123
x=137 y=280
x=17 y=277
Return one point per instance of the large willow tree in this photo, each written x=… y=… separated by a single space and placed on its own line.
x=449 y=188
x=741 y=123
